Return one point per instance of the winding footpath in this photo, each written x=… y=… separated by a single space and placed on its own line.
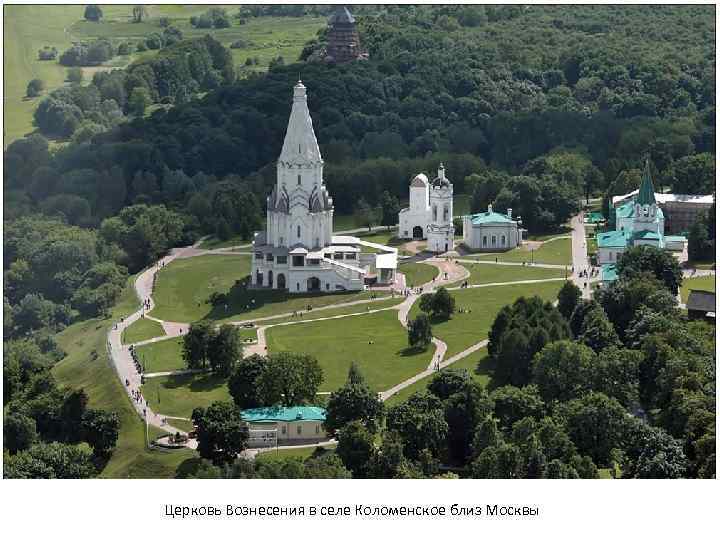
x=450 y=271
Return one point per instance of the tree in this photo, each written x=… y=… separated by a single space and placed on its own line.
x=448 y=382
x=694 y=174
x=659 y=262
x=421 y=423
x=464 y=410
x=35 y=88
x=699 y=247
x=19 y=432
x=365 y=215
x=390 y=209
x=354 y=401
x=224 y=350
x=290 y=379
x=100 y=430
x=51 y=460
x=500 y=461
x=512 y=404
x=578 y=315
x=439 y=305
x=596 y=424
x=139 y=100
x=356 y=448
x=93 y=13
x=597 y=332
x=139 y=13
x=221 y=433
x=651 y=453
x=561 y=370
x=196 y=342
x=419 y=332
x=615 y=372
x=568 y=298
x=243 y=383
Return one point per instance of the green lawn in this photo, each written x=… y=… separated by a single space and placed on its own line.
x=302 y=453
x=141 y=330
x=466 y=329
x=80 y=369
x=178 y=395
x=417 y=274
x=163 y=355
x=213 y=242
x=555 y=252
x=704 y=283
x=332 y=312
x=337 y=343
x=184 y=285
x=472 y=363
x=490 y=273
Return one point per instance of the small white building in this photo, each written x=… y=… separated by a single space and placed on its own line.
x=491 y=231
x=430 y=212
x=268 y=426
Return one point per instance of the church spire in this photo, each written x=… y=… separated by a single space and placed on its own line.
x=646 y=194
x=300 y=143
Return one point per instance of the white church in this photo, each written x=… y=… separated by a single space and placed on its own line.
x=430 y=214
x=298 y=251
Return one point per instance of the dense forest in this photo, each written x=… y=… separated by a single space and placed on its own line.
x=529 y=107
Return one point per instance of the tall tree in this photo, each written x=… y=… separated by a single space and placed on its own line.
x=290 y=379
x=354 y=401
x=221 y=433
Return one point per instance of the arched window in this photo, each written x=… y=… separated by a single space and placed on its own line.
x=434 y=212
x=502 y=240
x=484 y=241
x=298 y=231
x=446 y=211
x=299 y=179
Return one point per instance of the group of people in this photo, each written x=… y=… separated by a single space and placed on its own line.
x=134 y=355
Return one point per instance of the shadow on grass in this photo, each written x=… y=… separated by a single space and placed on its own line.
x=194 y=383
x=486 y=368
x=188 y=468
x=242 y=300
x=412 y=351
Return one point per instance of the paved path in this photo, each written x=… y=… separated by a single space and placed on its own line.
x=505 y=263
x=120 y=354
x=579 y=256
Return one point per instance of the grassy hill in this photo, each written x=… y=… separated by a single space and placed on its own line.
x=29 y=28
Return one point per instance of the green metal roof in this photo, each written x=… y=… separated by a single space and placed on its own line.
x=489 y=217
x=609 y=272
x=594 y=217
x=646 y=235
x=283 y=414
x=646 y=195
x=626 y=210
x=612 y=239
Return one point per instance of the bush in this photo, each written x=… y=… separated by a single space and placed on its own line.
x=47 y=53
x=34 y=88
x=74 y=75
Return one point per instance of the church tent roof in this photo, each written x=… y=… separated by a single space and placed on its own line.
x=646 y=195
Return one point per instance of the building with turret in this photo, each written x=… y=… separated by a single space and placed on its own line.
x=343 y=38
x=639 y=221
x=297 y=250
x=430 y=212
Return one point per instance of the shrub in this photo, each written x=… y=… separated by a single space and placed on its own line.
x=34 y=88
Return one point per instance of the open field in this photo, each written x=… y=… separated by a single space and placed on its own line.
x=81 y=369
x=417 y=274
x=141 y=330
x=28 y=28
x=555 y=252
x=488 y=273
x=465 y=329
x=704 y=283
x=338 y=343
x=164 y=355
x=213 y=242
x=178 y=395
